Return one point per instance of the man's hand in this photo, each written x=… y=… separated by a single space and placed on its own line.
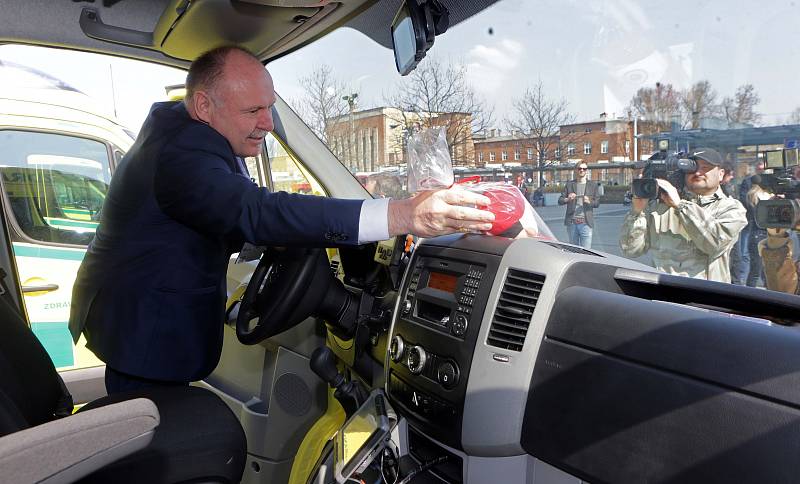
x=439 y=212
x=571 y=196
x=587 y=199
x=669 y=195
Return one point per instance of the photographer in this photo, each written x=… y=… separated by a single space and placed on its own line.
x=779 y=266
x=690 y=235
x=777 y=214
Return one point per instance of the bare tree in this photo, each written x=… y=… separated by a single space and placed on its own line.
x=741 y=108
x=657 y=106
x=323 y=103
x=541 y=118
x=698 y=102
x=437 y=94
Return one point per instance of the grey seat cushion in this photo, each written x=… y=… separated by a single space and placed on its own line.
x=199 y=438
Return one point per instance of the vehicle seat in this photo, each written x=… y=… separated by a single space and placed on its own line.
x=198 y=438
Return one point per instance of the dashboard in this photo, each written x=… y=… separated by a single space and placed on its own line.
x=597 y=366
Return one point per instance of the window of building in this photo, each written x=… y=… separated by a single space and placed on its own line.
x=587 y=130
x=557 y=153
x=480 y=156
x=530 y=153
x=587 y=148
x=604 y=146
x=364 y=151
x=571 y=149
x=504 y=155
x=491 y=156
x=516 y=155
x=374 y=142
x=628 y=147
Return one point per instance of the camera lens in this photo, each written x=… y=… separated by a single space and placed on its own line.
x=645 y=188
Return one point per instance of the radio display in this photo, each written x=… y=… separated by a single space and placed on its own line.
x=443 y=282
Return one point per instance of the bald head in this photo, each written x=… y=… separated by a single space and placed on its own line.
x=229 y=89
x=208 y=70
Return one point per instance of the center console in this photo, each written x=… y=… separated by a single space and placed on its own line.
x=442 y=303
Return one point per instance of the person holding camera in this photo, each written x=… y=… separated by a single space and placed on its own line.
x=780 y=268
x=581 y=196
x=690 y=234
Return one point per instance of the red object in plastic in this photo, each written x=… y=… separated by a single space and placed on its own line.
x=507 y=205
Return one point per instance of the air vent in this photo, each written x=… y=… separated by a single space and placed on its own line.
x=572 y=248
x=515 y=309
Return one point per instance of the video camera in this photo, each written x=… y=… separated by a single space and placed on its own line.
x=783 y=212
x=671 y=167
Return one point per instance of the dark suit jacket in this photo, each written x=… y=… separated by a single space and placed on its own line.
x=150 y=293
x=591 y=192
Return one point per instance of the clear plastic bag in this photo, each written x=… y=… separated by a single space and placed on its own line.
x=509 y=206
x=429 y=163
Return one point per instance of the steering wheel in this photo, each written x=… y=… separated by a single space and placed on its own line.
x=279 y=294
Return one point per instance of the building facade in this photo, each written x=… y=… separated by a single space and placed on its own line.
x=373 y=140
x=611 y=142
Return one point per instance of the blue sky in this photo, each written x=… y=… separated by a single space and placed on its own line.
x=593 y=53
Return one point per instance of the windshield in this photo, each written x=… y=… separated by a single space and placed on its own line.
x=532 y=92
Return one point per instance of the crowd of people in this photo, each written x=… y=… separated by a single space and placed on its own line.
x=709 y=229
x=690 y=233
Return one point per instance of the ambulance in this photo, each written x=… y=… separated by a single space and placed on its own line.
x=59 y=149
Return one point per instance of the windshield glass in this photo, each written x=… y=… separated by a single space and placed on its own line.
x=531 y=92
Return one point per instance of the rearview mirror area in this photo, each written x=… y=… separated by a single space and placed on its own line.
x=414 y=29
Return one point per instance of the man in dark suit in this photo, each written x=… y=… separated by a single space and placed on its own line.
x=150 y=293
x=581 y=196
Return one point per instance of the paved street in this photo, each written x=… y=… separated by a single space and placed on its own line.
x=608 y=220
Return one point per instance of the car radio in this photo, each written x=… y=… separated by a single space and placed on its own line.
x=441 y=293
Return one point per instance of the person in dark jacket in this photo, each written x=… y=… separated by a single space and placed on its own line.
x=745 y=262
x=581 y=196
x=150 y=293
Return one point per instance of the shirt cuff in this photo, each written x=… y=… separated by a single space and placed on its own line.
x=373 y=222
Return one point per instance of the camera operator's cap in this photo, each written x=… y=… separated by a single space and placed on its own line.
x=708 y=154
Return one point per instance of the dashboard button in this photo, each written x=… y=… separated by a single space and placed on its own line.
x=459 y=326
x=417 y=358
x=397 y=349
x=447 y=375
x=406 y=306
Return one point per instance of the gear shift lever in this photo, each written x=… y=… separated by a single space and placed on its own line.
x=350 y=394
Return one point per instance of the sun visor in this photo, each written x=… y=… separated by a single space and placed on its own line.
x=187 y=29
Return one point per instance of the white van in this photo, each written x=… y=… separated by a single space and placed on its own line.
x=58 y=150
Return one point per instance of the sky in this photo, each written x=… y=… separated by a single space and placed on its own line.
x=594 y=54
